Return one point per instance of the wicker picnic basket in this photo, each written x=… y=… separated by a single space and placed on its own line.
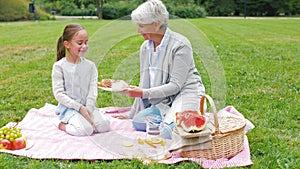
x=228 y=138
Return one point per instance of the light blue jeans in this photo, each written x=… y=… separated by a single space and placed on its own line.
x=139 y=121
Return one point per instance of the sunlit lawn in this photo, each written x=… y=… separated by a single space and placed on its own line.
x=260 y=59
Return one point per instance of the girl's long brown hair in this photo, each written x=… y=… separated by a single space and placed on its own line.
x=69 y=31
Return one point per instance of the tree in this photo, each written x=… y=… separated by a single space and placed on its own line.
x=110 y=9
x=294 y=6
x=220 y=7
x=99 y=6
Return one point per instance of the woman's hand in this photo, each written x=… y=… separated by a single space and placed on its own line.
x=120 y=116
x=133 y=92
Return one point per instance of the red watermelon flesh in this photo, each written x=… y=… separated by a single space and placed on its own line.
x=190 y=121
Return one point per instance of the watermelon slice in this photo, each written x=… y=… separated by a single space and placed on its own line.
x=190 y=121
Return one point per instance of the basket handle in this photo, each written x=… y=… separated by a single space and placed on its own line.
x=214 y=110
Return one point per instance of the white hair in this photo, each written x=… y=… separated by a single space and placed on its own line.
x=151 y=11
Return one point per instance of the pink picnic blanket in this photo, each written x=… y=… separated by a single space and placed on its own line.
x=45 y=141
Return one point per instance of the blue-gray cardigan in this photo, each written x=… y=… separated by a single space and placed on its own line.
x=176 y=77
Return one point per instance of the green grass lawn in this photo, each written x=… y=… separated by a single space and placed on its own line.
x=256 y=66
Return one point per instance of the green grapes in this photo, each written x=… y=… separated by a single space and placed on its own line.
x=10 y=133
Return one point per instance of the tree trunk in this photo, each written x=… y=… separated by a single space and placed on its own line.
x=99 y=6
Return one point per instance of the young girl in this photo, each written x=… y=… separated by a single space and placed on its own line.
x=74 y=84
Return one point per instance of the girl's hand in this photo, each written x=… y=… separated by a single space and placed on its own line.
x=88 y=115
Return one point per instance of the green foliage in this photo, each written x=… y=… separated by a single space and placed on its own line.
x=251 y=7
x=179 y=2
x=69 y=8
x=220 y=7
x=121 y=9
x=294 y=7
x=117 y=10
x=266 y=7
x=190 y=11
x=15 y=10
x=110 y=12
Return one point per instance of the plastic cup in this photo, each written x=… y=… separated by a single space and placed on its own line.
x=156 y=144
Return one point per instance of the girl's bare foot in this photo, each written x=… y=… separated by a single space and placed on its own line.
x=62 y=126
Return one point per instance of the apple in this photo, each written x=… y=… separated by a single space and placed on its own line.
x=19 y=143
x=6 y=144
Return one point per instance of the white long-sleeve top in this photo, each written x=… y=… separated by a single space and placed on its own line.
x=75 y=85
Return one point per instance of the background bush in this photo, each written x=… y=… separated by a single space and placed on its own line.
x=117 y=10
x=121 y=9
x=16 y=10
x=68 y=8
x=191 y=11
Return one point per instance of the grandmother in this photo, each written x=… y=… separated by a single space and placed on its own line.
x=169 y=80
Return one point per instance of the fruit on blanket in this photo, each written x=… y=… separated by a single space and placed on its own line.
x=19 y=143
x=10 y=133
x=140 y=141
x=11 y=138
x=190 y=121
x=155 y=140
x=163 y=142
x=6 y=144
x=150 y=143
x=128 y=144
